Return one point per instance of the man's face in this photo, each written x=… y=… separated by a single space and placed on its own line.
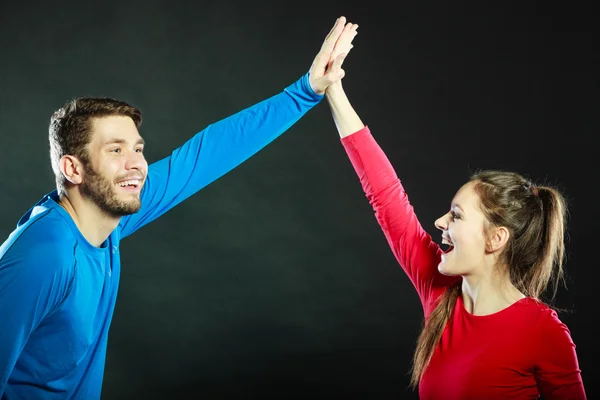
x=116 y=172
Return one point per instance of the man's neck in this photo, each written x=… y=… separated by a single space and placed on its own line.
x=93 y=223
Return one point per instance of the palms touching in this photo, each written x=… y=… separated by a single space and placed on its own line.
x=327 y=65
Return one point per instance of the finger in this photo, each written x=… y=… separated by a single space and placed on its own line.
x=333 y=74
x=344 y=43
x=335 y=71
x=336 y=25
x=333 y=35
x=332 y=28
x=322 y=59
x=339 y=60
x=336 y=55
x=346 y=38
x=350 y=27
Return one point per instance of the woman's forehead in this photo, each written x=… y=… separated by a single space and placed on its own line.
x=466 y=196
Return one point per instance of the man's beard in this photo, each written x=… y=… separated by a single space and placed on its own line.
x=103 y=192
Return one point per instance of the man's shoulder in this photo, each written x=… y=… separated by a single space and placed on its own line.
x=45 y=238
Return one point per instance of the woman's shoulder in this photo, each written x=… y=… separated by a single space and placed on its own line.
x=543 y=318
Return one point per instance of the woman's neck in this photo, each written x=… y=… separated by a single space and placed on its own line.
x=485 y=295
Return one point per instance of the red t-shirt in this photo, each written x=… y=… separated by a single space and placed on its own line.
x=516 y=353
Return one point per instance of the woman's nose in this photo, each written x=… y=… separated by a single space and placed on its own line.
x=442 y=222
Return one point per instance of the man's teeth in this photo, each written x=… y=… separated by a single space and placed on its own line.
x=133 y=182
x=444 y=241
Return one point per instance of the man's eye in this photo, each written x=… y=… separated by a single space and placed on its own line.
x=454 y=215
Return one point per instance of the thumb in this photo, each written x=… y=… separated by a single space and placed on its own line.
x=339 y=60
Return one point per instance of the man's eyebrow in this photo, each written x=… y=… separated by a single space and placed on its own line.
x=123 y=141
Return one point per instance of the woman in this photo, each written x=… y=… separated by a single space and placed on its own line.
x=487 y=335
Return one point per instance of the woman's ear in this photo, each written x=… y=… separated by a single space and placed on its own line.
x=497 y=239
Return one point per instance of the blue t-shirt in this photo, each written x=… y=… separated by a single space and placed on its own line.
x=58 y=292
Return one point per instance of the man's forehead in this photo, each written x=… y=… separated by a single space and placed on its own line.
x=112 y=128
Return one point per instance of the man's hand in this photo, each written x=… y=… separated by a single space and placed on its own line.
x=327 y=65
x=344 y=43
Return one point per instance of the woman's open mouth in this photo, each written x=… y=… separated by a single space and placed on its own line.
x=449 y=246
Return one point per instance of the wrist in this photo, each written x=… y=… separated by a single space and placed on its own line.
x=335 y=89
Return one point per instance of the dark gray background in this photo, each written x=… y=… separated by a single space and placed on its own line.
x=276 y=279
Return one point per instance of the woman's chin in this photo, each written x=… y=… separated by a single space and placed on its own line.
x=442 y=269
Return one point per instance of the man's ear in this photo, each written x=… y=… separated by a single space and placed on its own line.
x=497 y=239
x=72 y=169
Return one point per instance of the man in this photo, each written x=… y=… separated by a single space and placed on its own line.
x=60 y=268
